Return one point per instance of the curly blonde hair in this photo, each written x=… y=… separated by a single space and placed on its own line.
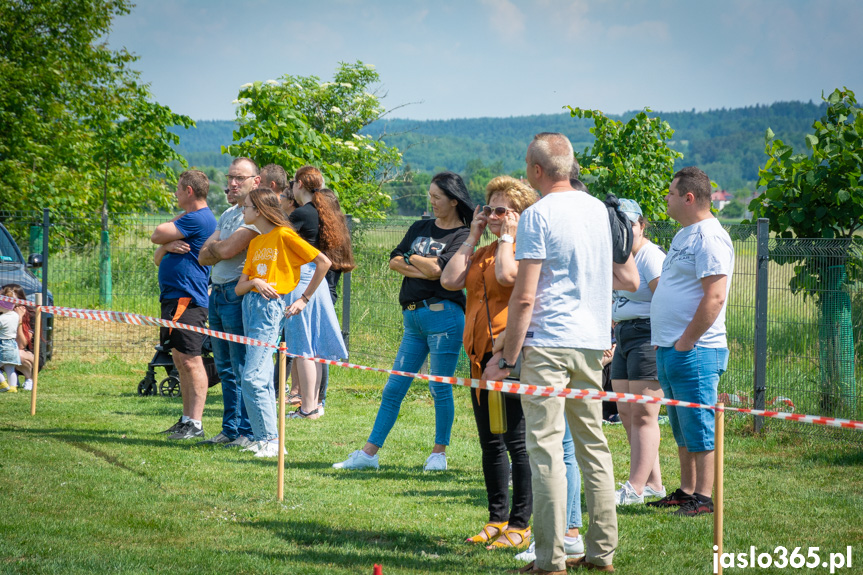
x=519 y=194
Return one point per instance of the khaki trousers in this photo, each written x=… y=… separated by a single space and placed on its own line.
x=544 y=419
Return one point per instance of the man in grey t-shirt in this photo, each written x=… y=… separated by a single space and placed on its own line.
x=688 y=327
x=225 y=250
x=560 y=310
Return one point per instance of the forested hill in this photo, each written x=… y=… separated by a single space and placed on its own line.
x=727 y=144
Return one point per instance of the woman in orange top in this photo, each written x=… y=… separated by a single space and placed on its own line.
x=272 y=270
x=489 y=275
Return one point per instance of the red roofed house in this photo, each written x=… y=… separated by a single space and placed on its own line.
x=720 y=199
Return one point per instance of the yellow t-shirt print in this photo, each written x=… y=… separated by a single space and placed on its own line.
x=276 y=257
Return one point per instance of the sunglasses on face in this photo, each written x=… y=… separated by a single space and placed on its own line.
x=498 y=211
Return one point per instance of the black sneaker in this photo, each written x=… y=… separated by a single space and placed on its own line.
x=679 y=497
x=188 y=430
x=174 y=427
x=698 y=505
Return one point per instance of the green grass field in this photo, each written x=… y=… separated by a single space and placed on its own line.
x=88 y=486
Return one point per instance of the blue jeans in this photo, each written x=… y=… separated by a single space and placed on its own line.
x=692 y=376
x=573 y=482
x=433 y=334
x=226 y=315
x=262 y=319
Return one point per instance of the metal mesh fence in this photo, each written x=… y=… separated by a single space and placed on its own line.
x=87 y=268
x=814 y=320
x=815 y=330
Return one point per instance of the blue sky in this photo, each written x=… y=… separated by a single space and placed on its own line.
x=471 y=58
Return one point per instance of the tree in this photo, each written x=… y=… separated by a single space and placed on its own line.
x=734 y=210
x=77 y=129
x=477 y=176
x=630 y=160
x=409 y=194
x=301 y=120
x=820 y=195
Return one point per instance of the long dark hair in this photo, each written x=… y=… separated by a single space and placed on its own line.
x=453 y=187
x=334 y=239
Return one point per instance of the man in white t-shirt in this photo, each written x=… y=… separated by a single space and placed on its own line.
x=560 y=310
x=688 y=327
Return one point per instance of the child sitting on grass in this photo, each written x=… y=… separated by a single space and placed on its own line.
x=9 y=357
x=24 y=336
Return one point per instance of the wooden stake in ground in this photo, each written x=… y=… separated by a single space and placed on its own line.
x=37 y=339
x=282 y=361
x=718 y=481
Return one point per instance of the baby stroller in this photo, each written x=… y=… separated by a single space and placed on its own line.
x=170 y=386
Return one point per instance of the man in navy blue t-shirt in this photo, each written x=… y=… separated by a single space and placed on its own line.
x=184 y=297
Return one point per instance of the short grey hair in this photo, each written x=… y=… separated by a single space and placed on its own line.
x=254 y=165
x=273 y=173
x=553 y=153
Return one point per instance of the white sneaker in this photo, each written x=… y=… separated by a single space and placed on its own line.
x=573 y=546
x=626 y=495
x=28 y=385
x=528 y=555
x=358 y=460
x=435 y=462
x=269 y=449
x=255 y=446
x=649 y=492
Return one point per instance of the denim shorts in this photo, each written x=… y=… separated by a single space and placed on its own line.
x=692 y=376
x=634 y=358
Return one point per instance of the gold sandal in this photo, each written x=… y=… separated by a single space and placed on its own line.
x=505 y=539
x=484 y=536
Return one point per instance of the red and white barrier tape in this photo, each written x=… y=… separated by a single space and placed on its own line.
x=505 y=386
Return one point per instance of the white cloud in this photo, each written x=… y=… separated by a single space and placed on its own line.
x=506 y=19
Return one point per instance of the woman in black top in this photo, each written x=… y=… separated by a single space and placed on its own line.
x=317 y=333
x=433 y=318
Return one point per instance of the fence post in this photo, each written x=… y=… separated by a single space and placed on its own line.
x=46 y=226
x=346 y=296
x=35 y=243
x=761 y=278
x=105 y=282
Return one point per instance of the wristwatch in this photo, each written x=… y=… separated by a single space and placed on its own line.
x=407 y=256
x=507 y=239
x=502 y=364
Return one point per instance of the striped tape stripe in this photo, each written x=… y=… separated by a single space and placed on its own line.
x=505 y=386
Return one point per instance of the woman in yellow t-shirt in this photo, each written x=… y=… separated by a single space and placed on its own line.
x=272 y=270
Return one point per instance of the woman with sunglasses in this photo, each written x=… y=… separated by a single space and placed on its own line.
x=317 y=332
x=489 y=276
x=271 y=271
x=433 y=319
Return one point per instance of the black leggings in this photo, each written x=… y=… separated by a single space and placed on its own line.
x=495 y=463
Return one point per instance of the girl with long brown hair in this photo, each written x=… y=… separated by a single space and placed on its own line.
x=271 y=272
x=317 y=333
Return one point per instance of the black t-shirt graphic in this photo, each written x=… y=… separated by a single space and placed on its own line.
x=426 y=239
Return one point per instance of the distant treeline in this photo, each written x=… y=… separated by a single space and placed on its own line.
x=727 y=144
